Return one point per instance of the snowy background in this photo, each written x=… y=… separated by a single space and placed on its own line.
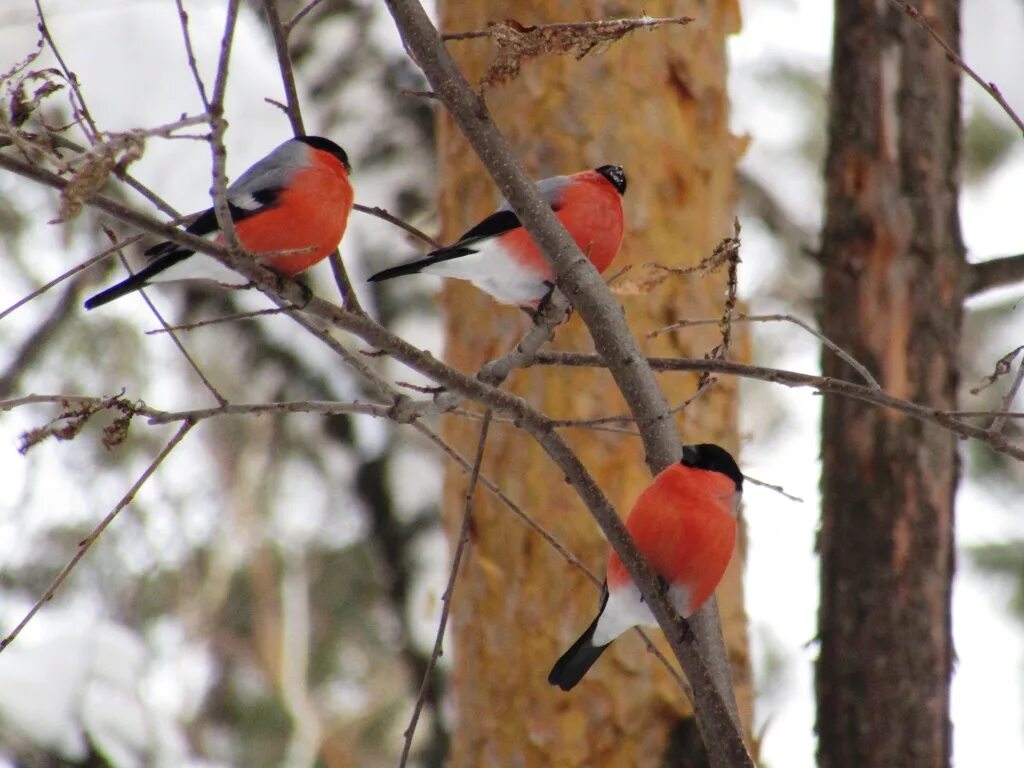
x=77 y=673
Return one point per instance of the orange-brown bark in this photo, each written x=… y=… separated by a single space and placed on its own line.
x=654 y=103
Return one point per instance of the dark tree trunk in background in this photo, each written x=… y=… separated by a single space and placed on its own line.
x=893 y=295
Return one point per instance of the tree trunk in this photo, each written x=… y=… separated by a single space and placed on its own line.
x=655 y=103
x=893 y=296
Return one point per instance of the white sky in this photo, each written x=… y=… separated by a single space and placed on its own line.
x=141 y=81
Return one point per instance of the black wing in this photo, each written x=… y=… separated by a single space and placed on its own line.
x=496 y=224
x=166 y=254
x=206 y=222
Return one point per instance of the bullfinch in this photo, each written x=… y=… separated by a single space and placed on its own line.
x=499 y=256
x=290 y=211
x=684 y=523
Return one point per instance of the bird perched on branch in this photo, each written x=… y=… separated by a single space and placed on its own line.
x=290 y=211
x=499 y=256
x=684 y=523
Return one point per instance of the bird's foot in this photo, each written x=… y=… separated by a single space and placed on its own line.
x=687 y=636
x=307 y=295
x=663 y=584
x=539 y=315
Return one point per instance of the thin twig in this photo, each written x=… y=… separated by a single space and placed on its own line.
x=59 y=141
x=174 y=338
x=617 y=26
x=1002 y=367
x=326 y=408
x=823 y=384
x=989 y=87
x=380 y=213
x=300 y=14
x=707 y=383
x=88 y=541
x=537 y=528
x=728 y=249
x=341 y=279
x=292 y=108
x=70 y=273
x=219 y=320
x=777 y=488
x=495 y=489
x=81 y=110
x=986 y=414
x=190 y=54
x=743 y=318
x=218 y=125
x=446 y=598
x=280 y=37
x=999 y=422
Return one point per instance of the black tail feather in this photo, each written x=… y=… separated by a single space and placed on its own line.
x=575 y=662
x=138 y=280
x=413 y=267
x=402 y=269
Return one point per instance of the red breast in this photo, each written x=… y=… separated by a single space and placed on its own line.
x=590 y=209
x=683 y=523
x=309 y=218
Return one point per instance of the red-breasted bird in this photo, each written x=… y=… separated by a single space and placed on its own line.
x=684 y=523
x=499 y=256
x=290 y=210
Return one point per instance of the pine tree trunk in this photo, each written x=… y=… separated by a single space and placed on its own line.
x=656 y=104
x=893 y=297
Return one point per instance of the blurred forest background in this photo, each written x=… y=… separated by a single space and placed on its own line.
x=271 y=596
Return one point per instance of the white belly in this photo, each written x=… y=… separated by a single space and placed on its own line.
x=494 y=271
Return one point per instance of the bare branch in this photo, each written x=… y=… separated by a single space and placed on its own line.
x=293 y=110
x=380 y=213
x=219 y=191
x=518 y=511
x=989 y=87
x=220 y=320
x=742 y=318
x=576 y=275
x=823 y=384
x=174 y=338
x=280 y=37
x=537 y=528
x=70 y=273
x=1002 y=367
x=190 y=54
x=777 y=488
x=77 y=101
x=613 y=28
x=300 y=14
x=995 y=273
x=517 y=42
x=89 y=540
x=446 y=598
x=1011 y=394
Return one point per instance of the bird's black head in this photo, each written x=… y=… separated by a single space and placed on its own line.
x=328 y=146
x=713 y=458
x=615 y=175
